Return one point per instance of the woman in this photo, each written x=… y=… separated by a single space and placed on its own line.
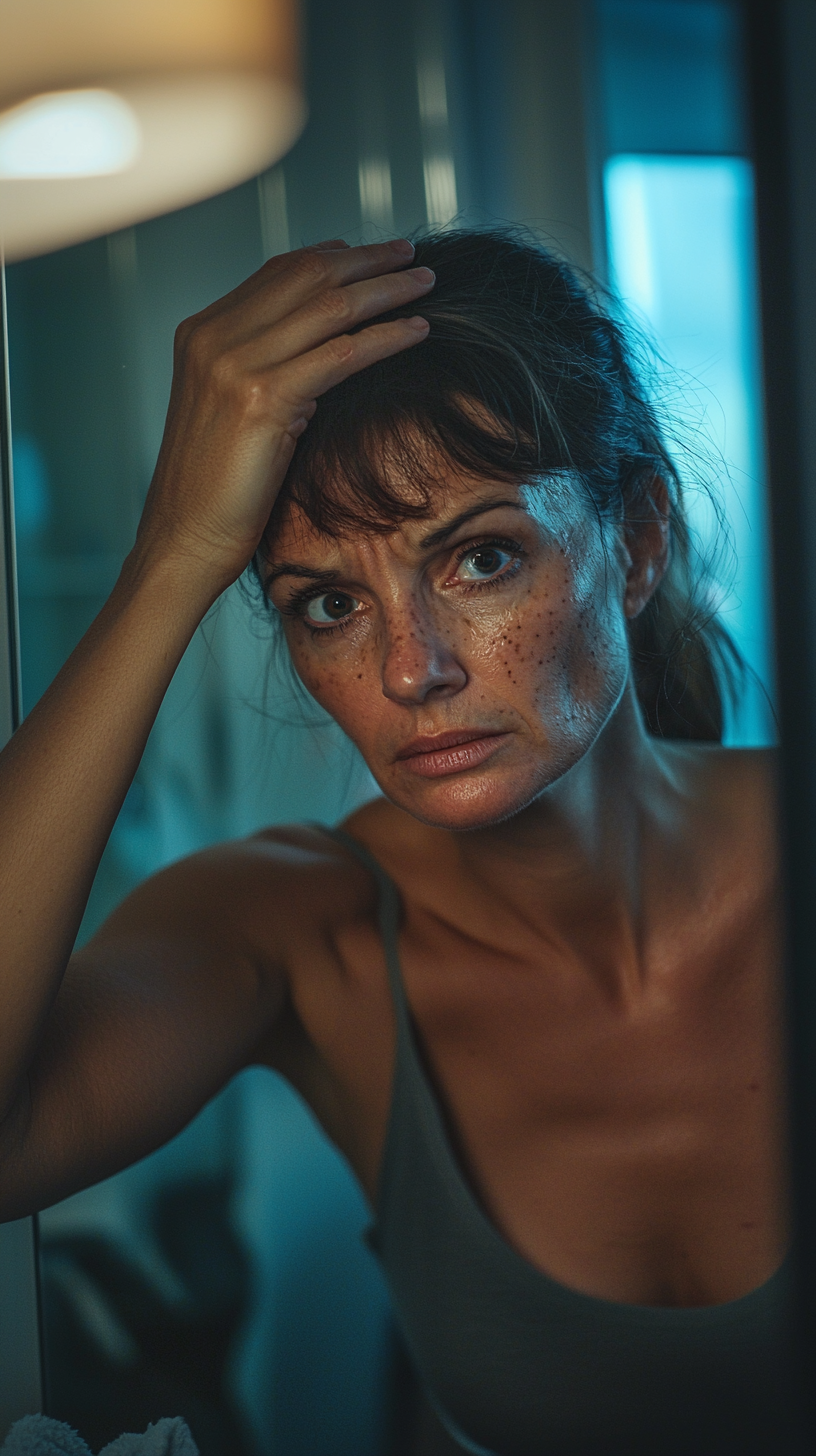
x=530 y=992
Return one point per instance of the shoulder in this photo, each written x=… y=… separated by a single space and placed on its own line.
x=306 y=872
x=266 y=892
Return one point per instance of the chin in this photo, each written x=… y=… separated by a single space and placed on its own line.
x=470 y=800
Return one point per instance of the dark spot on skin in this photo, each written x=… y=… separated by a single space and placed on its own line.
x=748 y=1225
x=753 y=1086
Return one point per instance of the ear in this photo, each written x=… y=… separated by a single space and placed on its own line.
x=646 y=542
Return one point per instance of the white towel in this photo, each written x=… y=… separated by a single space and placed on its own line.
x=42 y=1436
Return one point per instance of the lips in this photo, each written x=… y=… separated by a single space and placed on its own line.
x=447 y=753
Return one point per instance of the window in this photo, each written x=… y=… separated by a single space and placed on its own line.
x=680 y=237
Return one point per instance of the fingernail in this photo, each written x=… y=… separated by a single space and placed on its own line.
x=420 y=324
x=422 y=275
x=403 y=248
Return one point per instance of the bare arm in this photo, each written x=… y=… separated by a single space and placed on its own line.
x=248 y=372
x=170 y=998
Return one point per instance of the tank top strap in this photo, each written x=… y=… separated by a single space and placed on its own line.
x=388 y=916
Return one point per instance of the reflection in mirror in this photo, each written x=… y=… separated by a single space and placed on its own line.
x=227 y=1276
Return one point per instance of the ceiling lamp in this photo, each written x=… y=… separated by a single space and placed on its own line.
x=112 y=111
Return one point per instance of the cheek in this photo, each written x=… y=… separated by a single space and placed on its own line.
x=344 y=680
x=588 y=665
x=561 y=655
x=593 y=666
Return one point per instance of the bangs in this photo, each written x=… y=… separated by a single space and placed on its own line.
x=373 y=468
x=499 y=390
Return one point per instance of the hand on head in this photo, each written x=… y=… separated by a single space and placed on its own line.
x=248 y=373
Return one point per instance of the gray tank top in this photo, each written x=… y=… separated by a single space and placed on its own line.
x=518 y=1364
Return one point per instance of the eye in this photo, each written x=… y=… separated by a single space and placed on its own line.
x=483 y=562
x=329 y=609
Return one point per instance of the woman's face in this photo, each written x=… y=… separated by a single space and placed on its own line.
x=474 y=656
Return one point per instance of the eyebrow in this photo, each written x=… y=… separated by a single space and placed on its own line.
x=304 y=573
x=434 y=538
x=438 y=537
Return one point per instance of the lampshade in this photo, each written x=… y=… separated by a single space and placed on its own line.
x=112 y=111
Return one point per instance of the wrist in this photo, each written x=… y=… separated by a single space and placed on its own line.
x=168 y=592
x=180 y=578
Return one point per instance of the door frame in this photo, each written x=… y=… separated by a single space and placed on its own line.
x=21 y=1367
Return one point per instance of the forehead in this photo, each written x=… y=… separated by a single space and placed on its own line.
x=555 y=503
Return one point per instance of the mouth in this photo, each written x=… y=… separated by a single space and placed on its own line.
x=449 y=753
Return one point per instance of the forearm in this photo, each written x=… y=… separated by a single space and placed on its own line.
x=63 y=777
x=247 y=376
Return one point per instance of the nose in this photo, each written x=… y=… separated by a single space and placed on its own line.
x=418 y=662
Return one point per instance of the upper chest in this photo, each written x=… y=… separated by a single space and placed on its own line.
x=551 y=1035
x=627 y=1146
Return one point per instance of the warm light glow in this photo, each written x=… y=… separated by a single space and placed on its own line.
x=89 y=133
x=114 y=111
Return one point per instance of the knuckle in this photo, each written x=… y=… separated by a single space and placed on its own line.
x=340 y=350
x=254 y=397
x=311 y=269
x=229 y=382
x=248 y=397
x=231 y=379
x=224 y=371
x=273 y=264
x=193 y=341
x=184 y=334
x=334 y=306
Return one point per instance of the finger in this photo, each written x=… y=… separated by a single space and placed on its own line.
x=349 y=265
x=304 y=379
x=285 y=283
x=335 y=311
x=294 y=278
x=230 y=303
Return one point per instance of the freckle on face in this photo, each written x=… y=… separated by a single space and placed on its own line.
x=550 y=712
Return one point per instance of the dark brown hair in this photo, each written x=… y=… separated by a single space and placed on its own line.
x=524 y=373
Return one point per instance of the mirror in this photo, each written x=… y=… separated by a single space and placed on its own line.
x=226 y=1277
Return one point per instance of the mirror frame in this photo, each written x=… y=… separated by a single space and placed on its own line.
x=21 y=1366
x=781 y=63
